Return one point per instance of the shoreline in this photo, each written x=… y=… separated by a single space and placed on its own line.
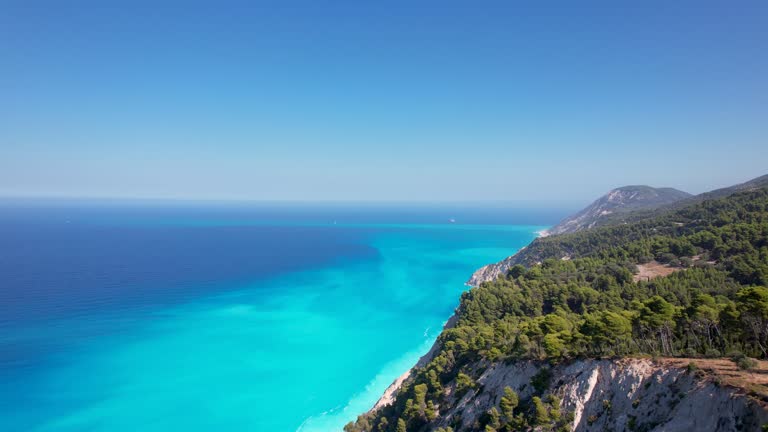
x=493 y=270
x=388 y=397
x=391 y=391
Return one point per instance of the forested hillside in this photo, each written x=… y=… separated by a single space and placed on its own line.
x=582 y=300
x=549 y=247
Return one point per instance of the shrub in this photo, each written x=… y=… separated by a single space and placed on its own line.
x=746 y=363
x=464 y=383
x=736 y=355
x=668 y=258
x=540 y=381
x=540 y=412
x=713 y=353
x=509 y=402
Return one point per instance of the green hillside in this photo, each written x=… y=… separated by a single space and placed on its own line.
x=583 y=300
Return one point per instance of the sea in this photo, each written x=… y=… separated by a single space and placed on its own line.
x=214 y=316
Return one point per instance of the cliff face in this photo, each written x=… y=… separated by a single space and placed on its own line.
x=613 y=395
x=490 y=272
x=527 y=256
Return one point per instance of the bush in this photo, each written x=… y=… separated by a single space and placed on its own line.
x=644 y=259
x=464 y=383
x=668 y=258
x=712 y=353
x=746 y=363
x=540 y=412
x=540 y=381
x=735 y=355
x=516 y=271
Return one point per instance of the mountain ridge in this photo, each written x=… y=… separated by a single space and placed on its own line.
x=528 y=255
x=623 y=199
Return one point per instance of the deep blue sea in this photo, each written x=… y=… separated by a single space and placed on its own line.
x=158 y=316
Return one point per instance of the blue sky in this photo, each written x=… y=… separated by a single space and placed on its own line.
x=402 y=100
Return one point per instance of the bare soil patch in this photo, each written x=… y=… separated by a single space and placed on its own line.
x=725 y=371
x=652 y=270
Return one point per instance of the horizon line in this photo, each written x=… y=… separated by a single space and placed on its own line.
x=182 y=200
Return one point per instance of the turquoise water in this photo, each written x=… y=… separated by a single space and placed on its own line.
x=305 y=349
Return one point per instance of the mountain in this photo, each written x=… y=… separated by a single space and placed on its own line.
x=620 y=200
x=617 y=327
x=629 y=204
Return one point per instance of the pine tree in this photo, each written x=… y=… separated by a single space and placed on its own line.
x=401 y=425
x=509 y=402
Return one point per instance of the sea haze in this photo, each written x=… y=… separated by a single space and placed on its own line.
x=189 y=316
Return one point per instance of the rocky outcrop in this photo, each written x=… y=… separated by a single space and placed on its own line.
x=526 y=256
x=615 y=395
x=490 y=272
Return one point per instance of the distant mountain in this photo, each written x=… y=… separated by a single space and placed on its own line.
x=622 y=205
x=620 y=200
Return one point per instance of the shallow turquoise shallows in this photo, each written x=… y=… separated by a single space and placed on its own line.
x=305 y=348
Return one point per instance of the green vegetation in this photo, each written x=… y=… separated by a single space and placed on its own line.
x=589 y=306
x=744 y=362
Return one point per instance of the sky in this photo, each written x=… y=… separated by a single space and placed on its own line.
x=519 y=101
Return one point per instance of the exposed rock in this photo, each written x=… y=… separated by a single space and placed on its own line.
x=525 y=256
x=490 y=272
x=618 y=395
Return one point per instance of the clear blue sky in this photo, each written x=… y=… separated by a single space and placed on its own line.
x=395 y=100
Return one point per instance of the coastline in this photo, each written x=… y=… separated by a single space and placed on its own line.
x=388 y=397
x=491 y=271
x=389 y=394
